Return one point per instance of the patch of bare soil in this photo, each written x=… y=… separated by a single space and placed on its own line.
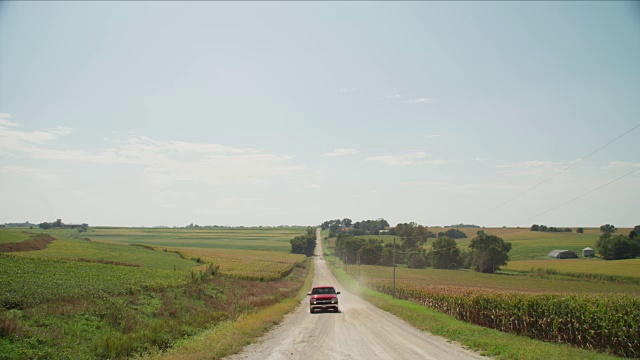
x=37 y=242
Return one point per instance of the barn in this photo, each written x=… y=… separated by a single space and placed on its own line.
x=588 y=252
x=562 y=254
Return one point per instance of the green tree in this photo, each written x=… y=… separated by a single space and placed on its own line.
x=618 y=247
x=607 y=230
x=412 y=235
x=370 y=254
x=489 y=252
x=417 y=261
x=455 y=234
x=580 y=230
x=535 y=227
x=304 y=244
x=444 y=254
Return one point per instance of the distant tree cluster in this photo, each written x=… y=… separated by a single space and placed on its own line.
x=412 y=236
x=620 y=246
x=545 y=228
x=454 y=234
x=461 y=225
x=445 y=254
x=370 y=227
x=24 y=224
x=304 y=244
x=365 y=251
x=59 y=224
x=336 y=225
x=364 y=227
x=487 y=253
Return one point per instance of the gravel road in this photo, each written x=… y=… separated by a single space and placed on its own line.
x=359 y=331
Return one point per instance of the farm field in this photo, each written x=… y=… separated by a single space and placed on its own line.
x=594 y=321
x=273 y=239
x=248 y=264
x=74 y=249
x=26 y=281
x=587 y=310
x=468 y=279
x=626 y=268
x=86 y=299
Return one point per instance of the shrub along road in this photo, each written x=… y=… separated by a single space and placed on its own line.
x=359 y=331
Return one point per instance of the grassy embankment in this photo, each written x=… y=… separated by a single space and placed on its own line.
x=97 y=308
x=492 y=342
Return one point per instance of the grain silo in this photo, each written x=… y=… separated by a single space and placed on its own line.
x=588 y=252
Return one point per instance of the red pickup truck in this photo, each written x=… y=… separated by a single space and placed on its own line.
x=323 y=298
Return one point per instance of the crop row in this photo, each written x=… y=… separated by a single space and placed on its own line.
x=26 y=281
x=603 y=323
x=246 y=264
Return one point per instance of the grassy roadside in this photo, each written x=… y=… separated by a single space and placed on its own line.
x=231 y=336
x=486 y=341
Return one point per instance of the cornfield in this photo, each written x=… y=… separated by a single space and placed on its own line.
x=608 y=323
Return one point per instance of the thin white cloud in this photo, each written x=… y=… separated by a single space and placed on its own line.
x=423 y=101
x=345 y=90
x=4 y=120
x=480 y=159
x=433 y=136
x=526 y=164
x=315 y=186
x=621 y=164
x=459 y=187
x=410 y=158
x=165 y=162
x=342 y=152
x=396 y=96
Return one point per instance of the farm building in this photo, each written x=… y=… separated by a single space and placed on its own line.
x=588 y=252
x=562 y=254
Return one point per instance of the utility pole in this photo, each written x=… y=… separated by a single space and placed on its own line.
x=394 y=267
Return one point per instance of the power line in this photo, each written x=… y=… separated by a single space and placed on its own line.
x=565 y=169
x=583 y=195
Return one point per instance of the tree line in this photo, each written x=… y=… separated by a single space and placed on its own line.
x=545 y=228
x=364 y=227
x=59 y=224
x=486 y=253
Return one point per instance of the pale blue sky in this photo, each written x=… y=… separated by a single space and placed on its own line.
x=245 y=113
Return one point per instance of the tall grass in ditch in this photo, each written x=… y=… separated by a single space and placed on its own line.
x=603 y=323
x=229 y=337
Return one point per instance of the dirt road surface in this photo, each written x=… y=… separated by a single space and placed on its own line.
x=359 y=331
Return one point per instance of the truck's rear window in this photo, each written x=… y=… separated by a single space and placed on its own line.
x=319 y=291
